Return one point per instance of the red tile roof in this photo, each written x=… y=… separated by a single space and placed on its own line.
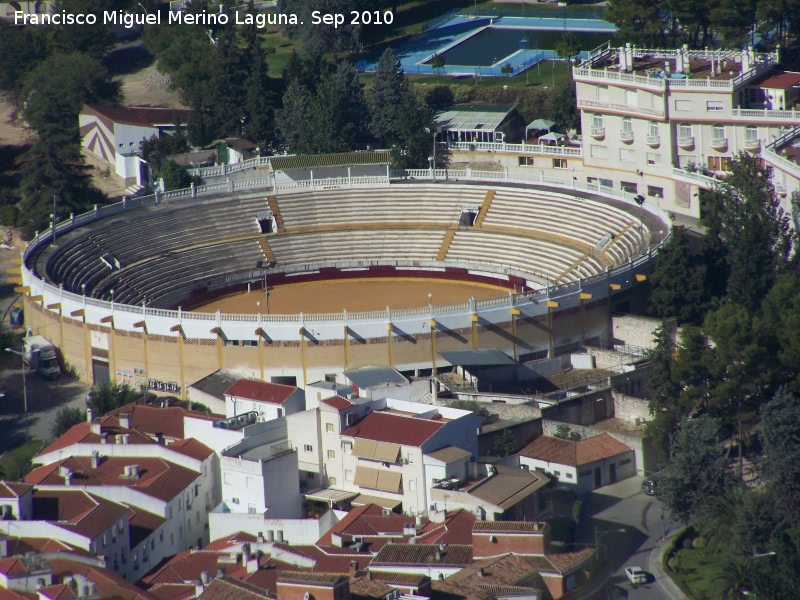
x=455 y=529
x=565 y=562
x=572 y=453
x=82 y=434
x=174 y=592
x=157 y=477
x=261 y=391
x=780 y=81
x=13 y=489
x=21 y=545
x=230 y=589
x=339 y=403
x=328 y=559
x=109 y=585
x=191 y=448
x=393 y=428
x=508 y=527
x=455 y=555
x=15 y=595
x=12 y=566
x=77 y=510
x=56 y=592
x=142 y=524
x=154 y=420
x=142 y=116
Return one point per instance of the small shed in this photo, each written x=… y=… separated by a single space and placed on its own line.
x=479 y=123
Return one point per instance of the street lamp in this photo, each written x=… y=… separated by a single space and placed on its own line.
x=270 y=265
x=747 y=593
x=599 y=534
x=24 y=390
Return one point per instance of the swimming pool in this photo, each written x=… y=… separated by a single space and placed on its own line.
x=493 y=44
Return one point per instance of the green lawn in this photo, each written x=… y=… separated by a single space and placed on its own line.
x=14 y=463
x=695 y=570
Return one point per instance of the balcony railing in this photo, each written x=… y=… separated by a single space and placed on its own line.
x=752 y=114
x=569 y=151
x=653 y=140
x=719 y=143
x=686 y=141
x=623 y=108
x=626 y=136
x=597 y=132
x=752 y=144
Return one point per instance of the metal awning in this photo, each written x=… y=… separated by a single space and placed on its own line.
x=378 y=479
x=330 y=495
x=382 y=451
x=363 y=499
x=480 y=357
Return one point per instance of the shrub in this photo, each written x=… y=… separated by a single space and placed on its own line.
x=699 y=542
x=688 y=543
x=674 y=564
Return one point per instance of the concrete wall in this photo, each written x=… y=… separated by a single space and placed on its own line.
x=635 y=330
x=295 y=531
x=584 y=409
x=631 y=409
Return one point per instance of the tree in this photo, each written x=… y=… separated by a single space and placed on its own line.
x=29 y=46
x=338 y=111
x=779 y=431
x=324 y=38
x=389 y=93
x=507 y=69
x=561 y=106
x=437 y=62
x=664 y=393
x=106 y=397
x=89 y=40
x=259 y=97
x=562 y=432
x=640 y=22
x=175 y=177
x=295 y=121
x=66 y=418
x=569 y=46
x=505 y=444
x=698 y=470
x=677 y=284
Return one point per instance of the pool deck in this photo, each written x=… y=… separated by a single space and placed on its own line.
x=414 y=53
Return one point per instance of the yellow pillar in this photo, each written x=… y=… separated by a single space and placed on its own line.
x=551 y=304
x=303 y=352
x=218 y=332
x=474 y=319
x=433 y=346
x=390 y=341
x=87 y=344
x=346 y=347
x=57 y=306
x=179 y=330
x=143 y=326
x=112 y=360
x=260 y=342
x=583 y=296
x=515 y=312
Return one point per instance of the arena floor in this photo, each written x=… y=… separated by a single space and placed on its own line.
x=355 y=295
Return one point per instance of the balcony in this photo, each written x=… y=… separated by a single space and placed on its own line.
x=719 y=143
x=626 y=136
x=686 y=141
x=597 y=133
x=654 y=141
x=752 y=145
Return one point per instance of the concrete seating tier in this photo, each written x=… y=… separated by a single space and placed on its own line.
x=582 y=221
x=547 y=260
x=423 y=204
x=372 y=245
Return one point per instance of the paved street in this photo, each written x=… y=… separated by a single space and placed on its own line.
x=45 y=398
x=624 y=506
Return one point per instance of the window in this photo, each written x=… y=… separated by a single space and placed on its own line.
x=597 y=151
x=196 y=490
x=250 y=343
x=627 y=461
x=329 y=427
x=627 y=125
x=251 y=509
x=718 y=163
x=683 y=105
x=627 y=155
x=629 y=186
x=557 y=473
x=347 y=447
x=348 y=475
x=597 y=121
x=606 y=183
x=525 y=161
x=751 y=133
x=717 y=132
x=684 y=130
x=331 y=453
x=714 y=105
x=559 y=163
x=653 y=158
x=652 y=129
x=308 y=448
x=231 y=342
x=569 y=476
x=655 y=192
x=331 y=480
x=161 y=537
x=631 y=98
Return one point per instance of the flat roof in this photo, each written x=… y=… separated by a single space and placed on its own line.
x=479 y=357
x=474 y=116
x=363 y=499
x=368 y=377
x=330 y=495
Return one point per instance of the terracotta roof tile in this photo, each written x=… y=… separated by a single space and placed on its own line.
x=393 y=428
x=574 y=453
x=174 y=592
x=143 y=116
x=450 y=454
x=157 y=477
x=15 y=595
x=455 y=529
x=455 y=555
x=56 y=592
x=142 y=524
x=400 y=579
x=339 y=403
x=365 y=587
x=508 y=527
x=565 y=562
x=329 y=559
x=508 y=486
x=781 y=80
x=226 y=588
x=191 y=448
x=77 y=510
x=109 y=584
x=154 y=420
x=306 y=578
x=82 y=434
x=261 y=391
x=12 y=566
x=14 y=489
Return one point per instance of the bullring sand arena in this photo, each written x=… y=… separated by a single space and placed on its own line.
x=372 y=270
x=352 y=295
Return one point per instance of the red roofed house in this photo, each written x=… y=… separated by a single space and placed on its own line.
x=587 y=463
x=268 y=400
x=778 y=90
x=113 y=135
x=15 y=500
x=375 y=450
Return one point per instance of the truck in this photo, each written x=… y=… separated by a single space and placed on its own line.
x=41 y=355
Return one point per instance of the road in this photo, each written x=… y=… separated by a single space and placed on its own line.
x=624 y=506
x=45 y=398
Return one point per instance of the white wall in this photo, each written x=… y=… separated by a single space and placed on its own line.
x=295 y=531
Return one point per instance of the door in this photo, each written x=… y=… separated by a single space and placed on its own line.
x=612 y=473
x=598 y=477
x=100 y=372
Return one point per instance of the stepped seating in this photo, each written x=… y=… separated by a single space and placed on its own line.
x=538 y=257
x=578 y=222
x=429 y=205
x=336 y=246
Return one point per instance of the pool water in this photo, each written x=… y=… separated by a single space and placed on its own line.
x=495 y=43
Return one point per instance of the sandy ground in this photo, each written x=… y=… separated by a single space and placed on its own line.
x=137 y=91
x=354 y=295
x=11 y=134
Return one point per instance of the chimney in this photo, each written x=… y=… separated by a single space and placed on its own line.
x=260 y=537
x=95 y=459
x=280 y=536
x=126 y=438
x=103 y=438
x=204 y=577
x=480 y=572
x=438 y=555
x=353 y=568
x=97 y=427
x=220 y=571
x=134 y=471
x=246 y=553
x=124 y=420
x=89 y=414
x=270 y=536
x=66 y=473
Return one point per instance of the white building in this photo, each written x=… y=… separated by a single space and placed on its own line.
x=268 y=400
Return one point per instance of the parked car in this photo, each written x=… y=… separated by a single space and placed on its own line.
x=636 y=575
x=650 y=485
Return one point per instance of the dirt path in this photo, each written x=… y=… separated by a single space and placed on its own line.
x=11 y=134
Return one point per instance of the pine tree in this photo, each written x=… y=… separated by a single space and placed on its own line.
x=677 y=284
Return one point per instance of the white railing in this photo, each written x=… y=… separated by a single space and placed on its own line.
x=686 y=141
x=719 y=142
x=698 y=179
x=626 y=136
x=597 y=132
x=772 y=115
x=771 y=152
x=653 y=140
x=572 y=151
x=218 y=170
x=637 y=110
